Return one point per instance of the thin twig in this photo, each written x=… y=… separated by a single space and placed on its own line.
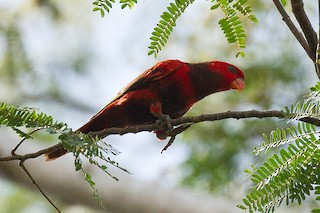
x=173 y=133
x=13 y=151
x=286 y=18
x=21 y=164
x=169 y=143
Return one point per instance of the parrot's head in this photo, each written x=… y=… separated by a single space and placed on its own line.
x=231 y=75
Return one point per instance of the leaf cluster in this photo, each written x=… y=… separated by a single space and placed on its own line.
x=95 y=150
x=106 y=5
x=91 y=147
x=293 y=173
x=16 y=117
x=231 y=24
x=166 y=24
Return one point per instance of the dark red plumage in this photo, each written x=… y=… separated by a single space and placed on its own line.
x=170 y=87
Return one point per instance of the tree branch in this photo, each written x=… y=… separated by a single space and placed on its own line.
x=193 y=119
x=180 y=125
x=29 y=156
x=286 y=18
x=179 y=122
x=304 y=22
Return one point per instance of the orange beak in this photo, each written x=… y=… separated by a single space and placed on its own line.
x=237 y=84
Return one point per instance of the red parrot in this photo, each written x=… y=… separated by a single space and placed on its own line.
x=169 y=88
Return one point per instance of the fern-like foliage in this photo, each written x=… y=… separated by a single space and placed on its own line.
x=293 y=173
x=91 y=147
x=291 y=183
x=231 y=25
x=165 y=26
x=23 y=119
x=16 y=117
x=317 y=193
x=95 y=150
x=103 y=6
x=309 y=108
x=128 y=3
x=279 y=137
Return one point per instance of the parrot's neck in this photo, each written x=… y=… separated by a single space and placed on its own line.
x=205 y=81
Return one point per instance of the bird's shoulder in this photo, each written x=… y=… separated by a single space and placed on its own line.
x=159 y=71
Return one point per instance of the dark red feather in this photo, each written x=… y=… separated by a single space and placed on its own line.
x=168 y=88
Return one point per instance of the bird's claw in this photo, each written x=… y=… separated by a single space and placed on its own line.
x=165 y=122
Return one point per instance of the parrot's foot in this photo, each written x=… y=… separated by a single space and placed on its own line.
x=164 y=122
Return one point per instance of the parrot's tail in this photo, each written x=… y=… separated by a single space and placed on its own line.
x=58 y=150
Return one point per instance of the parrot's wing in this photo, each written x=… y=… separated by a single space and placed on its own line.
x=159 y=71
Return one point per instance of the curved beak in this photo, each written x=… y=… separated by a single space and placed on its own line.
x=237 y=84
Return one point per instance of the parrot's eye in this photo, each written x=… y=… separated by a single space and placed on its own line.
x=232 y=69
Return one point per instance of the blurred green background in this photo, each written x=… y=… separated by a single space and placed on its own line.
x=66 y=60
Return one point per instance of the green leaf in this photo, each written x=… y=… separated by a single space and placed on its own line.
x=292 y=174
x=246 y=202
x=108 y=4
x=165 y=26
x=241 y=53
x=215 y=6
x=154 y=38
x=168 y=15
x=231 y=25
x=102 y=12
x=106 y=8
x=248 y=171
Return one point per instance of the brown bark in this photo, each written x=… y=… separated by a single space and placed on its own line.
x=60 y=181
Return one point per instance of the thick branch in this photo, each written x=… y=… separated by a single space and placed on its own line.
x=193 y=119
x=175 y=122
x=204 y=117
x=304 y=22
x=286 y=18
